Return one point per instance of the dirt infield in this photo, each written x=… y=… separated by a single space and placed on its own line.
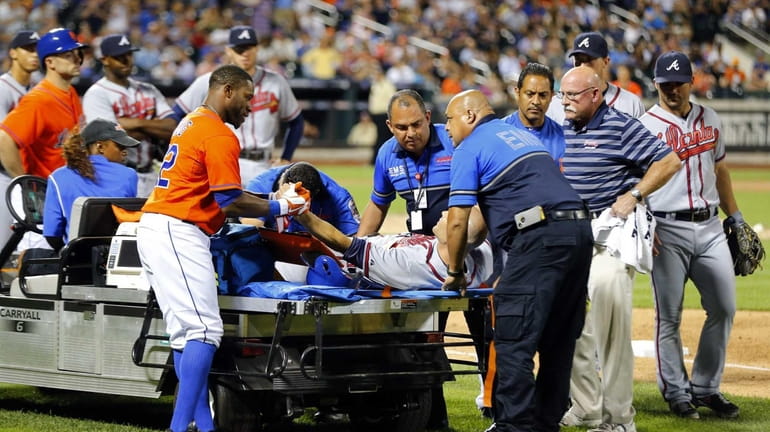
x=748 y=365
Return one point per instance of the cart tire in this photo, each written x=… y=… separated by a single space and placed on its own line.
x=416 y=406
x=235 y=411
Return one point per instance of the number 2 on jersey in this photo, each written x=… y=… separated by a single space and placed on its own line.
x=168 y=162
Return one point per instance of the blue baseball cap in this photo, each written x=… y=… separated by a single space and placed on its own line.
x=116 y=45
x=324 y=270
x=242 y=35
x=24 y=38
x=591 y=44
x=673 y=66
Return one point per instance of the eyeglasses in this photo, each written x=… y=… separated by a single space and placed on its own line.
x=573 y=96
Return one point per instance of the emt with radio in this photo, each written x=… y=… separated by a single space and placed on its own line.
x=540 y=222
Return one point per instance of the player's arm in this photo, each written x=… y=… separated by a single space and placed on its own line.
x=325 y=231
x=372 y=219
x=656 y=176
x=156 y=128
x=294 y=130
x=10 y=157
x=727 y=201
x=235 y=202
x=457 y=240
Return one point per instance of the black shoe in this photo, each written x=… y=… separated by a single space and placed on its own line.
x=439 y=424
x=323 y=416
x=684 y=409
x=487 y=412
x=719 y=404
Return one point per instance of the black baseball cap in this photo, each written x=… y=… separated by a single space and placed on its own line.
x=591 y=44
x=24 y=38
x=115 y=45
x=103 y=130
x=673 y=66
x=242 y=35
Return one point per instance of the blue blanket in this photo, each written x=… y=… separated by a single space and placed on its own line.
x=295 y=291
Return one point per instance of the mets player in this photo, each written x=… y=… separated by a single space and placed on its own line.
x=13 y=85
x=613 y=162
x=31 y=134
x=408 y=261
x=331 y=202
x=138 y=107
x=540 y=222
x=692 y=244
x=274 y=103
x=590 y=49
x=198 y=186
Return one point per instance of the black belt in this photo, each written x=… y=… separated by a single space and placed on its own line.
x=256 y=154
x=697 y=215
x=560 y=215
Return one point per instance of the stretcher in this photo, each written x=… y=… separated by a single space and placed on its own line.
x=375 y=356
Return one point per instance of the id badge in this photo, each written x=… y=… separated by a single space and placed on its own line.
x=420 y=202
x=415 y=219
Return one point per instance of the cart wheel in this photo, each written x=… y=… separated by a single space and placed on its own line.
x=235 y=411
x=412 y=415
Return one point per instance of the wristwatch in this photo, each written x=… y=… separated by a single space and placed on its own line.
x=455 y=273
x=636 y=193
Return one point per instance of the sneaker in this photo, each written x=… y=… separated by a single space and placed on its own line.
x=719 y=404
x=571 y=418
x=684 y=409
x=615 y=427
x=492 y=428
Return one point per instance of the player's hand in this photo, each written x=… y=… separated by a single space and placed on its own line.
x=453 y=283
x=293 y=203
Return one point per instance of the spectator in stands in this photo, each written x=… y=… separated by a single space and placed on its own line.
x=364 y=132
x=379 y=97
x=624 y=80
x=323 y=61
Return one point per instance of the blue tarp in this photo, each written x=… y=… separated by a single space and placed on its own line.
x=295 y=291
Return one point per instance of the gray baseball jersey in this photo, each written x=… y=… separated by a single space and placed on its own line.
x=273 y=103
x=10 y=93
x=616 y=97
x=690 y=249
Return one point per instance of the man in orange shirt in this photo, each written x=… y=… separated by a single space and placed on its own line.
x=198 y=185
x=31 y=135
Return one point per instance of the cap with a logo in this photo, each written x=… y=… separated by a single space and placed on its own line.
x=105 y=130
x=24 y=38
x=242 y=35
x=115 y=45
x=591 y=44
x=673 y=66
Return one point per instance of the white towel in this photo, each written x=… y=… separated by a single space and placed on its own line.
x=629 y=240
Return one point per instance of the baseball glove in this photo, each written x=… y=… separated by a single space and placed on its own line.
x=745 y=247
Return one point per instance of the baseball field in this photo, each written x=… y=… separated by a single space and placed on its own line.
x=746 y=378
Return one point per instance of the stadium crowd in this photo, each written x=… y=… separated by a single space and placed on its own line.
x=181 y=39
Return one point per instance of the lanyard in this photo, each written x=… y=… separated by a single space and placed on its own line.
x=421 y=177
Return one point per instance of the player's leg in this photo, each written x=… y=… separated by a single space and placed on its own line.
x=669 y=274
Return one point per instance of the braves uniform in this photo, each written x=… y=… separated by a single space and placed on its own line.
x=273 y=103
x=111 y=101
x=695 y=249
x=422 y=182
x=615 y=97
x=65 y=185
x=539 y=301
x=335 y=205
x=550 y=134
x=603 y=160
x=411 y=261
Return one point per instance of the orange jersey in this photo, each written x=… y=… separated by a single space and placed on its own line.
x=40 y=122
x=202 y=158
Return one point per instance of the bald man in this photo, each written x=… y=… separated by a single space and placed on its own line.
x=612 y=161
x=535 y=217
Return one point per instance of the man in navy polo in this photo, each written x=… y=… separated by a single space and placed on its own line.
x=539 y=221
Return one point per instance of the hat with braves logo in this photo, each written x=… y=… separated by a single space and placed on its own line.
x=24 y=38
x=116 y=45
x=591 y=44
x=105 y=130
x=673 y=66
x=242 y=35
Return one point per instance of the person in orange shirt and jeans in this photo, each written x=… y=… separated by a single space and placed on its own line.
x=31 y=134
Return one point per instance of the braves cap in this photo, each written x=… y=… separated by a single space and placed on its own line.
x=24 y=38
x=591 y=44
x=673 y=66
x=104 y=130
x=115 y=45
x=242 y=35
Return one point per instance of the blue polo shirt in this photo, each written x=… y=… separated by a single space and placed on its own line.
x=335 y=205
x=550 y=134
x=506 y=170
x=65 y=185
x=608 y=156
x=399 y=172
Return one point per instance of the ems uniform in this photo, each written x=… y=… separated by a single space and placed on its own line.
x=334 y=205
x=65 y=185
x=550 y=134
x=603 y=160
x=422 y=182
x=539 y=301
